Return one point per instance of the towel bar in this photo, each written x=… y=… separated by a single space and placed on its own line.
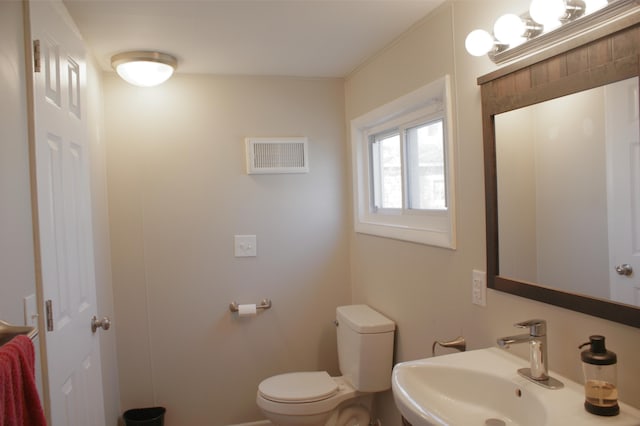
x=265 y=304
x=9 y=331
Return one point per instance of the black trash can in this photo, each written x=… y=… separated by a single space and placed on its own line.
x=152 y=416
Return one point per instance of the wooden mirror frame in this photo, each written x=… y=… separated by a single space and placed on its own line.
x=613 y=55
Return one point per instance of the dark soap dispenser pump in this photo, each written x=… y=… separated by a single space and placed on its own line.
x=599 y=368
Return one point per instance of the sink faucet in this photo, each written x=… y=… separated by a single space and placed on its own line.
x=537 y=339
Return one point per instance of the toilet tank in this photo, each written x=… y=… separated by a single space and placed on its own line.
x=365 y=347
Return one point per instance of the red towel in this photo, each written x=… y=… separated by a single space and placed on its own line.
x=19 y=400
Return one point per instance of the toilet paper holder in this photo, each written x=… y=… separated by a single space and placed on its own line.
x=265 y=304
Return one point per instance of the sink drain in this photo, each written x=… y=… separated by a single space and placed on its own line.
x=494 y=422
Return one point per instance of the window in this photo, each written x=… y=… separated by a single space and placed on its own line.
x=403 y=177
x=413 y=154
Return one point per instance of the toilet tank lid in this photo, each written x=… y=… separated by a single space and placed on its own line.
x=364 y=319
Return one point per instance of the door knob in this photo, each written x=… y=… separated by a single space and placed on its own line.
x=105 y=323
x=624 y=269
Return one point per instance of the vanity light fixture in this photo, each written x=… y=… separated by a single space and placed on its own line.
x=512 y=30
x=144 y=68
x=547 y=22
x=550 y=13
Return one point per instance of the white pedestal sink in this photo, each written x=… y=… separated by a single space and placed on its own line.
x=483 y=388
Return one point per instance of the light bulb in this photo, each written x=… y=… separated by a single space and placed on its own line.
x=547 y=12
x=144 y=73
x=594 y=5
x=478 y=42
x=509 y=29
x=144 y=68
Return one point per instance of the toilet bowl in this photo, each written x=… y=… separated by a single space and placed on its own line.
x=314 y=398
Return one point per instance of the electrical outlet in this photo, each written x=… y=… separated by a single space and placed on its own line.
x=479 y=288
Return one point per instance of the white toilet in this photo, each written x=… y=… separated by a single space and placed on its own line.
x=365 y=355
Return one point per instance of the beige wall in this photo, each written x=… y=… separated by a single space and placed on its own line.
x=428 y=290
x=101 y=243
x=517 y=203
x=178 y=193
x=17 y=273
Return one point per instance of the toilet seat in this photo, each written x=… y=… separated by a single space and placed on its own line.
x=299 y=387
x=324 y=401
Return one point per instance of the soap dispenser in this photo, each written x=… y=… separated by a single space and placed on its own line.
x=599 y=368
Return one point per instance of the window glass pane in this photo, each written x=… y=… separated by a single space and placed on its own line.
x=387 y=171
x=425 y=166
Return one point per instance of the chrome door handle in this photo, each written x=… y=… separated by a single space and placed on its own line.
x=105 y=323
x=624 y=269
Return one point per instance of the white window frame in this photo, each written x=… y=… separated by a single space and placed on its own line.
x=431 y=227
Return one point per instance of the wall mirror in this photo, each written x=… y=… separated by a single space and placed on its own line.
x=562 y=177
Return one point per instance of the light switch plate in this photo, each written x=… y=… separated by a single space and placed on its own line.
x=246 y=246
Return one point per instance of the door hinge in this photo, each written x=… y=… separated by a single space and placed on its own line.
x=36 y=55
x=49 y=312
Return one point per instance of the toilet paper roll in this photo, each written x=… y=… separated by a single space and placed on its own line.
x=247 y=310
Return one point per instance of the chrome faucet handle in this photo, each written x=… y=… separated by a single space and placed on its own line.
x=537 y=327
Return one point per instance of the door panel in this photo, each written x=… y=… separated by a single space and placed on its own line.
x=623 y=168
x=72 y=358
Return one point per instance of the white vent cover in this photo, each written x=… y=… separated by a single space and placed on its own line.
x=277 y=155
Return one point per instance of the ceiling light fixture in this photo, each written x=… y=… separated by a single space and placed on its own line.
x=144 y=68
x=546 y=23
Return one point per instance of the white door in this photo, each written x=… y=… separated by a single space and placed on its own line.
x=623 y=190
x=72 y=363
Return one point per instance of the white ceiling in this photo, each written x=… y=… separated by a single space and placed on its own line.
x=309 y=38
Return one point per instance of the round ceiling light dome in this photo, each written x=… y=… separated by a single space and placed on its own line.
x=144 y=68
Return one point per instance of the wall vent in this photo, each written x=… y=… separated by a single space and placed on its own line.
x=277 y=155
